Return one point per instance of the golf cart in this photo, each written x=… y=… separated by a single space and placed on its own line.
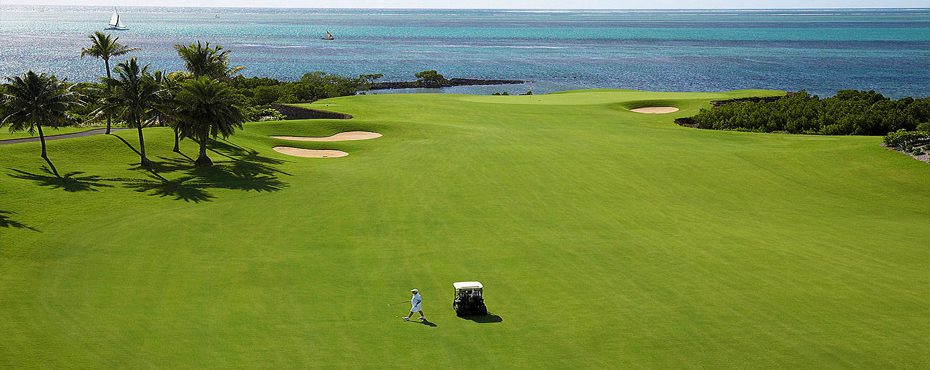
x=468 y=299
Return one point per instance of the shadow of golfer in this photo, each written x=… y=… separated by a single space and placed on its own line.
x=484 y=319
x=428 y=323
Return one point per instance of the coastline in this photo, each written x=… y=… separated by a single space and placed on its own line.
x=452 y=82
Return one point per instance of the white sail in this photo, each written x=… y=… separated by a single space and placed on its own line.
x=116 y=22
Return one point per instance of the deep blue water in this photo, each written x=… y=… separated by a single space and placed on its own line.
x=818 y=50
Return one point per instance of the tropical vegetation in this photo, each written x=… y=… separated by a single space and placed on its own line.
x=166 y=105
x=202 y=60
x=103 y=46
x=206 y=109
x=133 y=98
x=850 y=112
x=429 y=78
x=34 y=100
x=912 y=142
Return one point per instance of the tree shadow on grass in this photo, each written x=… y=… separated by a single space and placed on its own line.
x=70 y=182
x=484 y=319
x=127 y=144
x=6 y=222
x=245 y=160
x=234 y=178
x=186 y=188
x=243 y=169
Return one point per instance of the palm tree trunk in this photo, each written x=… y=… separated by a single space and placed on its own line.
x=145 y=162
x=202 y=159
x=107 y=63
x=42 y=138
x=177 y=139
x=50 y=164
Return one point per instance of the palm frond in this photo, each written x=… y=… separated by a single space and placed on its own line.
x=202 y=60
x=37 y=99
x=133 y=94
x=104 y=46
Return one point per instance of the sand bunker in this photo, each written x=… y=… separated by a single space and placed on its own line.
x=654 y=110
x=310 y=153
x=342 y=136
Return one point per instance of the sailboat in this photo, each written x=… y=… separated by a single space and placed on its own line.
x=328 y=36
x=116 y=23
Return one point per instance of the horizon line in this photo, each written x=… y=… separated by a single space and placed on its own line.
x=7 y=3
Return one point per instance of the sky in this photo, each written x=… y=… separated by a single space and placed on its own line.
x=503 y=4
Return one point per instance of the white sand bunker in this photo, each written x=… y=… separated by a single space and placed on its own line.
x=654 y=110
x=310 y=153
x=342 y=136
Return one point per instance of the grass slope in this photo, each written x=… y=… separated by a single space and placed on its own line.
x=5 y=133
x=604 y=238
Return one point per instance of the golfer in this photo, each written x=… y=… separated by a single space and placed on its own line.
x=415 y=305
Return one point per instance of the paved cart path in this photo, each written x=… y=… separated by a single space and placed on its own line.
x=96 y=131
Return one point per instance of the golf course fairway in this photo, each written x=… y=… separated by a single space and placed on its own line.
x=604 y=238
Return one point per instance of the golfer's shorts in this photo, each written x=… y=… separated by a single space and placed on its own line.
x=415 y=308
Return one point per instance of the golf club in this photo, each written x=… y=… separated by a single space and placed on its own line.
x=399 y=302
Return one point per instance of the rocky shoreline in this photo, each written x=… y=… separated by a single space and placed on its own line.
x=447 y=83
x=293 y=112
x=754 y=99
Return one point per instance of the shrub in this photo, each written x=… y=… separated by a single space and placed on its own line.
x=905 y=140
x=262 y=114
x=850 y=112
x=430 y=78
x=925 y=127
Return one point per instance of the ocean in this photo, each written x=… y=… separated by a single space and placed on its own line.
x=822 y=51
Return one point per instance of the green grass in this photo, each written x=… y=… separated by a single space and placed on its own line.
x=604 y=238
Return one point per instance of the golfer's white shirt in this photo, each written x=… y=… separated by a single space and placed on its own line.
x=415 y=303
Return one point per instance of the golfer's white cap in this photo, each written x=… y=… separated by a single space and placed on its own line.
x=414 y=290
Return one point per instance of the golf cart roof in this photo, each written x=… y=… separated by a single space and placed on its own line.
x=467 y=285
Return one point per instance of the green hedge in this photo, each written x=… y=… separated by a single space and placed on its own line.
x=850 y=112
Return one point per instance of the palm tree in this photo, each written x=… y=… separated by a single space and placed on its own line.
x=166 y=108
x=207 y=108
x=36 y=100
x=202 y=60
x=133 y=97
x=104 y=47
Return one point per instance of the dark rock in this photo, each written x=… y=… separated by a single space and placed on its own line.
x=753 y=99
x=292 y=112
x=686 y=122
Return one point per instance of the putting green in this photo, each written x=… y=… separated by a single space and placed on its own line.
x=604 y=238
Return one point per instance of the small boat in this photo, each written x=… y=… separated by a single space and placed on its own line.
x=116 y=23
x=328 y=36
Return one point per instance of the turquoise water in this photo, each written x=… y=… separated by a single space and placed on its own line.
x=818 y=50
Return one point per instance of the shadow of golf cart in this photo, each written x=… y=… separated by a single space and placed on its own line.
x=469 y=299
